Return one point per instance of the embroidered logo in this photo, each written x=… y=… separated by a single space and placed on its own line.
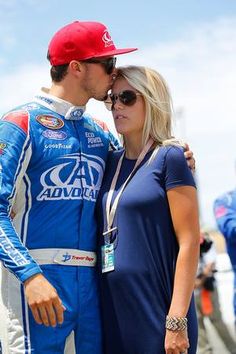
x=77 y=113
x=50 y=122
x=75 y=176
x=50 y=134
x=45 y=99
x=11 y=251
x=57 y=146
x=93 y=140
x=107 y=39
x=68 y=257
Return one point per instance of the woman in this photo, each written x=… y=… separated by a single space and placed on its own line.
x=148 y=220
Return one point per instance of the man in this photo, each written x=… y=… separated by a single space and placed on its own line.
x=225 y=215
x=52 y=162
x=207 y=299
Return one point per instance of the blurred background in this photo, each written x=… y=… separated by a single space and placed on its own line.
x=190 y=42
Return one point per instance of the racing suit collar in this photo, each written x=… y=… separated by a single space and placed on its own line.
x=60 y=106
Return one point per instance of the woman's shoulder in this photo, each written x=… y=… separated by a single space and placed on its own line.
x=172 y=150
x=175 y=167
x=170 y=153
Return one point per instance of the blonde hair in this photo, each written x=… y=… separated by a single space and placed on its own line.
x=157 y=100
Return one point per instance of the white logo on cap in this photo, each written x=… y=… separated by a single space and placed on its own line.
x=107 y=39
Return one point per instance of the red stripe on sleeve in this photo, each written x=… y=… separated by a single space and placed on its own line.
x=20 y=118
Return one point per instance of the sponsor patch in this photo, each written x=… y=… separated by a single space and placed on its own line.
x=75 y=177
x=45 y=99
x=50 y=122
x=77 y=113
x=93 y=140
x=57 y=146
x=107 y=39
x=2 y=148
x=30 y=106
x=54 y=135
x=11 y=251
x=68 y=257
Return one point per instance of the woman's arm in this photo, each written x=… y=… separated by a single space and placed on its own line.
x=184 y=213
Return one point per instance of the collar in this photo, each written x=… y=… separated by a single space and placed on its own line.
x=60 y=106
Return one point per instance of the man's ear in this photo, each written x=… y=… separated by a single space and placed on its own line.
x=75 y=65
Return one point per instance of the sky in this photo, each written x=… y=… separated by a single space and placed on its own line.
x=190 y=42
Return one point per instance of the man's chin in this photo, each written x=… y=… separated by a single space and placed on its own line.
x=105 y=97
x=102 y=98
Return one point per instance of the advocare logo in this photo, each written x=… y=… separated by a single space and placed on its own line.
x=79 y=176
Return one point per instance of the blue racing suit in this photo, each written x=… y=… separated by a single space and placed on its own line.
x=52 y=160
x=225 y=215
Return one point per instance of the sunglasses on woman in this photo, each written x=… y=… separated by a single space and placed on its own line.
x=108 y=64
x=126 y=97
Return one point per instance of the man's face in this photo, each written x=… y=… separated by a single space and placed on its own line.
x=98 y=78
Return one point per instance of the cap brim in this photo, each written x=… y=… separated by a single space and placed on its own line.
x=116 y=52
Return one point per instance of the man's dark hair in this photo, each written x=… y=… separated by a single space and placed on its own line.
x=57 y=72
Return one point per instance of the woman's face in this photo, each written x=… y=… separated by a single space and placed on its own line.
x=128 y=119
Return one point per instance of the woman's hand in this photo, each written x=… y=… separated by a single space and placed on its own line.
x=176 y=342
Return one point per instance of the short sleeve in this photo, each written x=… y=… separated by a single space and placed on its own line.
x=177 y=172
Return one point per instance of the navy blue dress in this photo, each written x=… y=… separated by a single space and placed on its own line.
x=136 y=296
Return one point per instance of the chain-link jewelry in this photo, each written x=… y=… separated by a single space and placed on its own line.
x=176 y=323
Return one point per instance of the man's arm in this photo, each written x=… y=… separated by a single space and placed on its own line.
x=14 y=159
x=225 y=215
x=15 y=152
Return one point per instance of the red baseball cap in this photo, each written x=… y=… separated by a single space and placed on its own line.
x=81 y=40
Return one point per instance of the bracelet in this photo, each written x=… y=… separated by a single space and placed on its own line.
x=176 y=323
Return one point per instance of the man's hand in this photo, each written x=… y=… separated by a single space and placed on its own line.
x=189 y=157
x=43 y=300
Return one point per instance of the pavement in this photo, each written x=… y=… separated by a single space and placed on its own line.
x=225 y=287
